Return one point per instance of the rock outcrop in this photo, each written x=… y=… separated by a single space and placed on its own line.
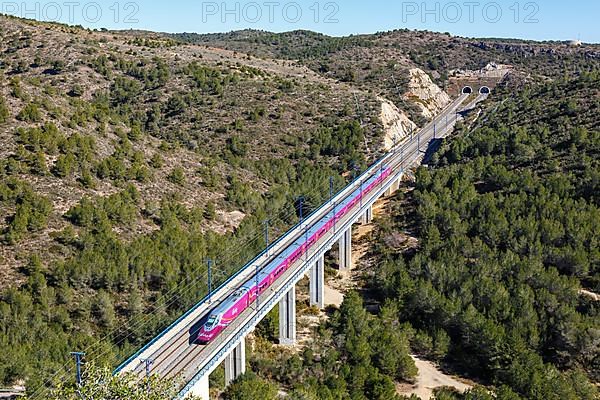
x=396 y=123
x=491 y=70
x=426 y=94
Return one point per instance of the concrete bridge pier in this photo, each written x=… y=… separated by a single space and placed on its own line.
x=393 y=188
x=287 y=318
x=201 y=389
x=397 y=184
x=345 y=250
x=235 y=362
x=367 y=217
x=317 y=283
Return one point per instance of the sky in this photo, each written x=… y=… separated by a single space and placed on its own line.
x=538 y=20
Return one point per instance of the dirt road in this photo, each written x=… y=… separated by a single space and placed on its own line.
x=429 y=378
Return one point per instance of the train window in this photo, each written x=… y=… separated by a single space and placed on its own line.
x=295 y=257
x=211 y=323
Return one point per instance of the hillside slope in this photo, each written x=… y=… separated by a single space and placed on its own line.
x=130 y=158
x=381 y=61
x=89 y=113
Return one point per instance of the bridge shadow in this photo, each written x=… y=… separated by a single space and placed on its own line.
x=465 y=112
x=432 y=147
x=434 y=144
x=194 y=329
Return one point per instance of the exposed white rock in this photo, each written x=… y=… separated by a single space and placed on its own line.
x=226 y=221
x=491 y=70
x=426 y=94
x=396 y=123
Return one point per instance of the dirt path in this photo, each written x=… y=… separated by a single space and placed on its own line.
x=429 y=378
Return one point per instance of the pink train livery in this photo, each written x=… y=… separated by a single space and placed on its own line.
x=230 y=308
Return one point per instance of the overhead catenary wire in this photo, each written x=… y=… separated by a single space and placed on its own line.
x=174 y=293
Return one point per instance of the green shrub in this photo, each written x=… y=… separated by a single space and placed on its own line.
x=210 y=212
x=156 y=161
x=4 y=111
x=177 y=176
x=250 y=387
x=76 y=91
x=65 y=165
x=31 y=215
x=30 y=113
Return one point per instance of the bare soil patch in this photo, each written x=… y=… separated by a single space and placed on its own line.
x=429 y=378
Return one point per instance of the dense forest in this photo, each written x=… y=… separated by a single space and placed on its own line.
x=509 y=223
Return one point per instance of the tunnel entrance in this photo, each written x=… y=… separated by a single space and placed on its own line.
x=484 y=90
x=467 y=90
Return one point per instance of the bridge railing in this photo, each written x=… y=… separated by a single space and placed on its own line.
x=244 y=325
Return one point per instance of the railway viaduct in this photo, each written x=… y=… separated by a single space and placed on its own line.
x=174 y=352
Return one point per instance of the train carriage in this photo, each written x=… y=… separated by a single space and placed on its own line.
x=222 y=315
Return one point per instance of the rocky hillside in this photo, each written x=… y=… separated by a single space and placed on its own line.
x=380 y=62
x=425 y=94
x=89 y=113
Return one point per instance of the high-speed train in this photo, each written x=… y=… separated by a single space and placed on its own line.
x=224 y=313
